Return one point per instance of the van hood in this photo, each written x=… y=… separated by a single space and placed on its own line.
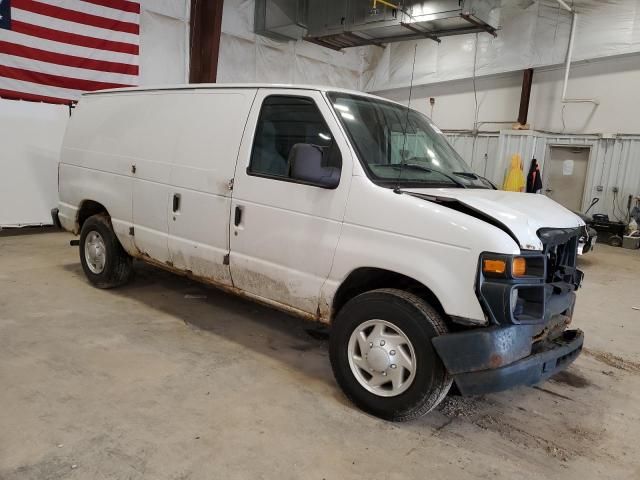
x=520 y=214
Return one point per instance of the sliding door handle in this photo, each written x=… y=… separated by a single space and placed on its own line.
x=238 y=216
x=176 y=202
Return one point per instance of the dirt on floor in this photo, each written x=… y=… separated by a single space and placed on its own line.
x=169 y=379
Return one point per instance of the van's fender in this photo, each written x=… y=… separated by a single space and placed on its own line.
x=435 y=246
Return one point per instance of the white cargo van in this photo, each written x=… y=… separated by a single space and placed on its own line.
x=337 y=206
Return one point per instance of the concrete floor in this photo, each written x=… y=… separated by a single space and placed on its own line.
x=167 y=379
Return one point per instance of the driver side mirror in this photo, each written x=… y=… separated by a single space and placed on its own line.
x=308 y=164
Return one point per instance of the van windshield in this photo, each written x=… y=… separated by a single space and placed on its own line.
x=399 y=147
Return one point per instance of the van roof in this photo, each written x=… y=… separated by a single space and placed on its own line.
x=209 y=86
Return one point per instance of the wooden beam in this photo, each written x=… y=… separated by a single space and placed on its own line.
x=206 y=29
x=525 y=96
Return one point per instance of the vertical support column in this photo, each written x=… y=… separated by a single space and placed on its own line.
x=525 y=96
x=206 y=29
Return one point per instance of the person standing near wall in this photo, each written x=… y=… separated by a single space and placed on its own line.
x=534 y=179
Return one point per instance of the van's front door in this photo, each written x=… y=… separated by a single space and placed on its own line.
x=284 y=232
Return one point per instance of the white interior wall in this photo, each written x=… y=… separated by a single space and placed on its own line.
x=249 y=58
x=164 y=34
x=31 y=133
x=613 y=81
x=498 y=99
x=533 y=34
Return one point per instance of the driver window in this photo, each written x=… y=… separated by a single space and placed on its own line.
x=285 y=121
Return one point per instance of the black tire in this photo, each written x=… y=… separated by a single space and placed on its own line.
x=420 y=323
x=615 y=241
x=118 y=265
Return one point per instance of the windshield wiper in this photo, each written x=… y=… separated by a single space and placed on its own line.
x=417 y=166
x=475 y=176
x=467 y=175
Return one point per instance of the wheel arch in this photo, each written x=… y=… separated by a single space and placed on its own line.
x=87 y=209
x=365 y=279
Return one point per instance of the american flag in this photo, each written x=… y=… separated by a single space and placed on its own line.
x=53 y=50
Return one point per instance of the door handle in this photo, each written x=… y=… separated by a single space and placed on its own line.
x=238 y=216
x=176 y=202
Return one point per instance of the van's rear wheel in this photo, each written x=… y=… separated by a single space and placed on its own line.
x=104 y=261
x=382 y=356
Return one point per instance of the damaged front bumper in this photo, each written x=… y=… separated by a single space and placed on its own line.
x=499 y=358
x=528 y=340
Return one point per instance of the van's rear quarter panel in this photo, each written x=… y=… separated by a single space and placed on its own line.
x=113 y=191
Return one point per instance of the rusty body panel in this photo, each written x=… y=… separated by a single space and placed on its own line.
x=201 y=266
x=317 y=317
x=486 y=348
x=287 y=292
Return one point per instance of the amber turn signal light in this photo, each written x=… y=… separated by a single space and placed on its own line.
x=495 y=267
x=519 y=267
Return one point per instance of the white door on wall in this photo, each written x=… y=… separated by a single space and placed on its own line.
x=565 y=174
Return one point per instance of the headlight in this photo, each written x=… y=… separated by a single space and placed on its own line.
x=503 y=266
x=494 y=267
x=512 y=288
x=507 y=266
x=519 y=267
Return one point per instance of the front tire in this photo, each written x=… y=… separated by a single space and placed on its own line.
x=382 y=356
x=104 y=261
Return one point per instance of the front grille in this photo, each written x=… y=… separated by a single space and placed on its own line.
x=561 y=250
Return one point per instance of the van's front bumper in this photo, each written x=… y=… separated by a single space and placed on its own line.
x=498 y=358
x=527 y=341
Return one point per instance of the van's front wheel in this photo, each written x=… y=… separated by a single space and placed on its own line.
x=382 y=356
x=104 y=261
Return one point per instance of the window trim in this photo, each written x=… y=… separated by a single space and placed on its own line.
x=289 y=179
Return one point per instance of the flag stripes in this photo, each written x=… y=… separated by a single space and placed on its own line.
x=42 y=8
x=124 y=5
x=53 y=50
x=100 y=11
x=73 y=39
x=30 y=91
x=71 y=26
x=55 y=80
x=67 y=60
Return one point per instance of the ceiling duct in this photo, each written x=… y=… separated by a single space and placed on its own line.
x=340 y=24
x=281 y=19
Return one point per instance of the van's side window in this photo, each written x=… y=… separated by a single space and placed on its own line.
x=284 y=122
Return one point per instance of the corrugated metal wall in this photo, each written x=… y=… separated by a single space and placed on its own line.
x=479 y=152
x=612 y=163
